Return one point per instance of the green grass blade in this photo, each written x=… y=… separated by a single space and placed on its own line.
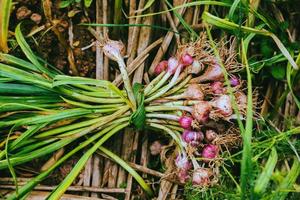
x=223 y=23
x=287 y=183
x=264 y=178
x=129 y=169
x=10 y=59
x=22 y=89
x=23 y=76
x=36 y=153
x=28 y=52
x=246 y=164
x=63 y=186
x=185 y=5
x=33 y=182
x=233 y=8
x=5 y=8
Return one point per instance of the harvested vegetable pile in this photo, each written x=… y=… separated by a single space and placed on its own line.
x=190 y=99
x=202 y=104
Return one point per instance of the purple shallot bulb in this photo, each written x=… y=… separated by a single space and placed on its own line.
x=201 y=177
x=209 y=152
x=160 y=67
x=186 y=122
x=193 y=138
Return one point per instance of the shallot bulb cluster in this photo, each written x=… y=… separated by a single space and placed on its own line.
x=202 y=89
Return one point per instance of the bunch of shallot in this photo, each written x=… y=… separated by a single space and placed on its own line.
x=193 y=89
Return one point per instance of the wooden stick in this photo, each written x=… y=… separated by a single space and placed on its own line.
x=71 y=188
x=133 y=65
x=99 y=52
x=37 y=195
x=129 y=178
x=87 y=175
x=128 y=139
x=164 y=46
x=135 y=34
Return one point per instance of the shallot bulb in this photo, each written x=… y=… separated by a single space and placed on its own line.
x=186 y=122
x=209 y=152
x=223 y=105
x=155 y=148
x=234 y=81
x=201 y=177
x=201 y=111
x=212 y=73
x=160 y=67
x=114 y=50
x=210 y=135
x=217 y=87
x=194 y=92
x=195 y=68
x=183 y=176
x=192 y=138
x=186 y=59
x=172 y=65
x=182 y=162
x=241 y=100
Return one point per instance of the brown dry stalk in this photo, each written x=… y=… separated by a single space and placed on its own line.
x=165 y=44
x=129 y=178
x=71 y=188
x=132 y=7
x=140 y=59
x=133 y=42
x=53 y=159
x=172 y=23
x=47 y=4
x=99 y=52
x=125 y=154
x=143 y=42
x=87 y=175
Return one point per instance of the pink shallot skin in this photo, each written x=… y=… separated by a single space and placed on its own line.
x=194 y=92
x=222 y=105
x=186 y=122
x=210 y=135
x=192 y=138
x=212 y=73
x=172 y=65
x=183 y=176
x=210 y=152
x=217 y=87
x=160 y=67
x=186 y=59
x=155 y=148
x=201 y=177
x=201 y=111
x=182 y=162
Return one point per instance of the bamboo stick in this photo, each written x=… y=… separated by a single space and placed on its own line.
x=137 y=61
x=164 y=46
x=71 y=188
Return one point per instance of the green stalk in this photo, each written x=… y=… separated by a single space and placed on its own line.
x=33 y=182
x=288 y=182
x=175 y=137
x=129 y=169
x=170 y=108
x=265 y=176
x=169 y=86
x=93 y=124
x=36 y=154
x=246 y=165
x=5 y=6
x=152 y=84
x=63 y=186
x=158 y=85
